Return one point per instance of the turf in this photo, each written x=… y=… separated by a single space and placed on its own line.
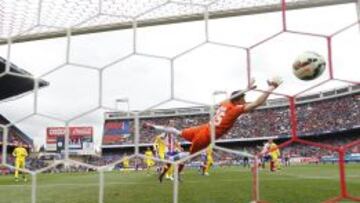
x=297 y=184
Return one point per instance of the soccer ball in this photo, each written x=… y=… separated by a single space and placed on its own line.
x=309 y=66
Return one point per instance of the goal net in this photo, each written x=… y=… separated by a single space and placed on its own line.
x=132 y=62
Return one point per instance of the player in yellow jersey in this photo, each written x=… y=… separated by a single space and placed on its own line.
x=163 y=145
x=173 y=156
x=160 y=146
x=168 y=148
x=20 y=155
x=273 y=151
x=275 y=156
x=126 y=163
x=149 y=159
x=209 y=161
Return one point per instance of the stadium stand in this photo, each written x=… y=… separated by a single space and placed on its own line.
x=330 y=117
x=322 y=113
x=15 y=135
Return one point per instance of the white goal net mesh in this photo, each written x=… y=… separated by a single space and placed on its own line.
x=160 y=51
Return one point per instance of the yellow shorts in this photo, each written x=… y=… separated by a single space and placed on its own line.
x=149 y=162
x=274 y=157
x=162 y=156
x=210 y=161
x=20 y=163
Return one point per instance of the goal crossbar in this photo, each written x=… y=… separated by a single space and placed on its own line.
x=175 y=19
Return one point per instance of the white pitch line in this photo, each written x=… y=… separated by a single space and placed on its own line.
x=318 y=177
x=149 y=183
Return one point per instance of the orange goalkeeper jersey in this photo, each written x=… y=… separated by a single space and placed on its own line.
x=225 y=117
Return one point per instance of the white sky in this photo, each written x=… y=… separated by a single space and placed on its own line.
x=146 y=81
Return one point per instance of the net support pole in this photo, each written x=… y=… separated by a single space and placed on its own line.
x=176 y=184
x=358 y=11
x=255 y=181
x=101 y=186
x=212 y=124
x=134 y=28
x=4 y=145
x=329 y=47
x=36 y=90
x=206 y=20
x=101 y=75
x=248 y=66
x=33 y=188
x=8 y=55
x=68 y=45
x=293 y=118
x=342 y=173
x=283 y=12
x=172 y=78
x=137 y=133
x=66 y=143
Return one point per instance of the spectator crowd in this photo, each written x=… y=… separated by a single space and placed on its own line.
x=324 y=116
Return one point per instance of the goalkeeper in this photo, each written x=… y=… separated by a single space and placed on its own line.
x=20 y=155
x=225 y=117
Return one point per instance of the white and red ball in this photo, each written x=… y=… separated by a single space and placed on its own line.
x=309 y=66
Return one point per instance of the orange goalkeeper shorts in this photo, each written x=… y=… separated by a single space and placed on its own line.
x=199 y=136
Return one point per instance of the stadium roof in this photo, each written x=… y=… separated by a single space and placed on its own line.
x=12 y=85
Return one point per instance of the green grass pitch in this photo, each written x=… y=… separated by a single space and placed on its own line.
x=297 y=184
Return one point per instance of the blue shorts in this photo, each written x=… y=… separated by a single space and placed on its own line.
x=174 y=156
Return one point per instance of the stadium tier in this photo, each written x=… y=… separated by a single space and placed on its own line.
x=15 y=135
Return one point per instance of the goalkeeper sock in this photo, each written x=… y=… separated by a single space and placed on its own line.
x=167 y=129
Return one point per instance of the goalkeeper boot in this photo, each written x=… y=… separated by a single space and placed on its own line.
x=161 y=177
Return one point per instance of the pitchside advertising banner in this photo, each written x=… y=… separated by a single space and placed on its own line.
x=117 y=132
x=81 y=140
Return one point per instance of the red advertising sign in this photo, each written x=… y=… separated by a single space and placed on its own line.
x=80 y=138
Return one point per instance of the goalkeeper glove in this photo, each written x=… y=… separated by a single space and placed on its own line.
x=275 y=81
